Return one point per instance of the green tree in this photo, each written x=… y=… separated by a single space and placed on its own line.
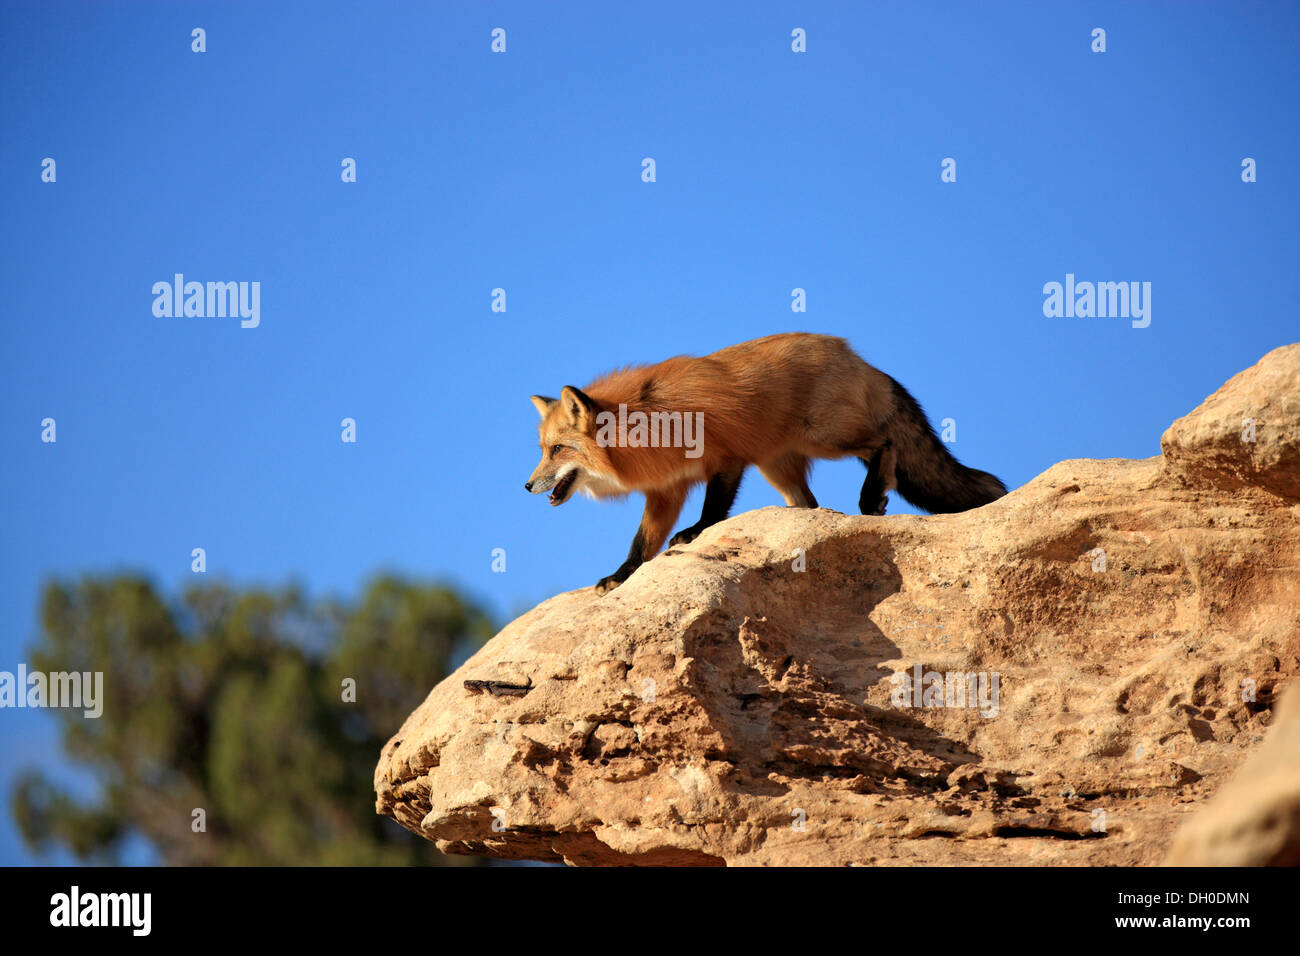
x=235 y=704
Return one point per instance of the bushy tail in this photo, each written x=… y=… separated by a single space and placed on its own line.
x=928 y=476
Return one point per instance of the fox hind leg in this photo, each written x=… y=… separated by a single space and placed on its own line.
x=718 y=499
x=880 y=480
x=789 y=475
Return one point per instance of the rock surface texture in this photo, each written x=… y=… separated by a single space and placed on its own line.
x=1255 y=819
x=736 y=700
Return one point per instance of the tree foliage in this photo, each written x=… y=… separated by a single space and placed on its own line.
x=233 y=703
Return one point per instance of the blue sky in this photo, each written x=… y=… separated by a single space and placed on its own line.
x=522 y=171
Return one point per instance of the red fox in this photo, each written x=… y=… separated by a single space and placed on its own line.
x=775 y=402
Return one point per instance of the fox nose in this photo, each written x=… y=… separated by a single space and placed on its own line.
x=528 y=486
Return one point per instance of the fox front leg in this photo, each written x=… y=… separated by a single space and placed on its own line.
x=719 y=496
x=635 y=558
x=661 y=511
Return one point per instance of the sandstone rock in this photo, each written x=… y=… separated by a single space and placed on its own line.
x=723 y=707
x=1254 y=820
x=1245 y=432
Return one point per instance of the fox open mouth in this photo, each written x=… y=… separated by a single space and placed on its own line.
x=560 y=493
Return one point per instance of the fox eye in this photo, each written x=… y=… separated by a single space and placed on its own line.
x=555 y=450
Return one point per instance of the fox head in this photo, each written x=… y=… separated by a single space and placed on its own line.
x=572 y=459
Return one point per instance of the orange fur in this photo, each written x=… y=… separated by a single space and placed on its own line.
x=775 y=402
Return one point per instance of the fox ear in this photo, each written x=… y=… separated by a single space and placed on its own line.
x=577 y=404
x=541 y=403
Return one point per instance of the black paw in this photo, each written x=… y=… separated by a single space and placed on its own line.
x=685 y=536
x=605 y=585
x=877 y=509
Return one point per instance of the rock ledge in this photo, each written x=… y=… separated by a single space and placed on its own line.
x=722 y=707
